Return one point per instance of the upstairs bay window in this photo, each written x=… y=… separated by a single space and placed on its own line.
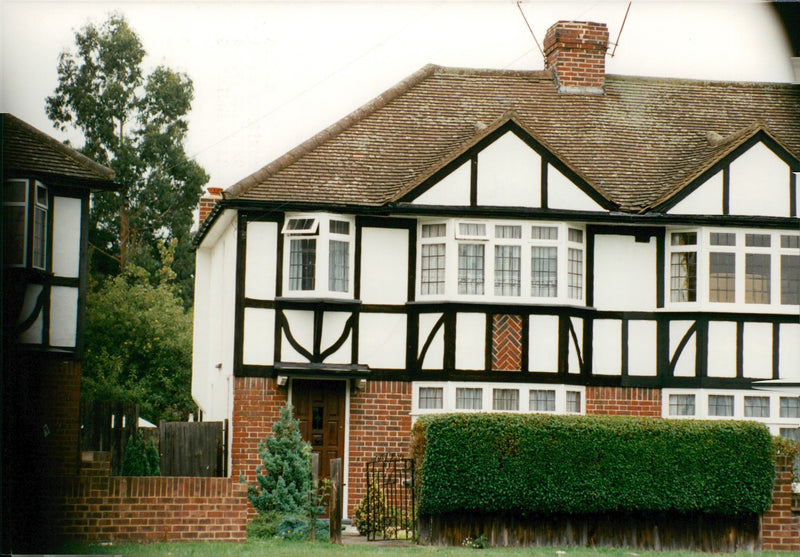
x=523 y=261
x=318 y=255
x=734 y=267
x=25 y=223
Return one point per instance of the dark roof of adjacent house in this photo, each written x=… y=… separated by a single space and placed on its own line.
x=30 y=152
x=641 y=142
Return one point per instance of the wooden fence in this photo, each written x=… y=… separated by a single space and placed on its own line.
x=107 y=426
x=197 y=449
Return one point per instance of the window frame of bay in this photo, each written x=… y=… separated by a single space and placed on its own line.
x=448 y=393
x=35 y=232
x=747 y=250
x=326 y=231
x=512 y=242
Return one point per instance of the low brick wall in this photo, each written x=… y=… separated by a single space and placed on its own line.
x=780 y=527
x=96 y=507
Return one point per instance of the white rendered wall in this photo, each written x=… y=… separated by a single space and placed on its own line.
x=563 y=194
x=757 y=350
x=642 y=340
x=453 y=189
x=66 y=238
x=789 y=351
x=259 y=337
x=384 y=266
x=33 y=334
x=301 y=326
x=572 y=359
x=685 y=365
x=543 y=331
x=471 y=341
x=215 y=281
x=63 y=316
x=333 y=325
x=607 y=347
x=624 y=273
x=705 y=200
x=759 y=184
x=434 y=358
x=509 y=174
x=261 y=262
x=721 y=349
x=382 y=340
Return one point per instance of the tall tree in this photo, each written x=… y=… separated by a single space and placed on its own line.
x=136 y=125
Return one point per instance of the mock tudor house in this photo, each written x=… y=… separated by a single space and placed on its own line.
x=46 y=190
x=519 y=241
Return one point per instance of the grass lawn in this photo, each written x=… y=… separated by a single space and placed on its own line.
x=253 y=548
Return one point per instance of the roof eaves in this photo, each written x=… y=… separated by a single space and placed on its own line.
x=243 y=186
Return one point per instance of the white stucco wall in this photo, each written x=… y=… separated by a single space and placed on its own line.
x=66 y=236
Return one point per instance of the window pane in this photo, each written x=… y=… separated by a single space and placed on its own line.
x=544 y=271
x=469 y=399
x=722 y=239
x=431 y=397
x=720 y=405
x=790 y=279
x=340 y=227
x=681 y=405
x=792 y=433
x=573 y=401
x=758 y=240
x=575 y=235
x=339 y=267
x=506 y=270
x=721 y=277
x=470 y=268
x=544 y=232
x=433 y=269
x=302 y=225
x=41 y=195
x=14 y=234
x=302 y=263
x=756 y=407
x=39 y=237
x=433 y=230
x=790 y=241
x=683 y=239
x=472 y=229
x=790 y=407
x=683 y=277
x=757 y=278
x=575 y=273
x=15 y=191
x=512 y=232
x=505 y=399
x=542 y=401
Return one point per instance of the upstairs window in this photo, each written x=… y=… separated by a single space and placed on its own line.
x=26 y=204
x=316 y=246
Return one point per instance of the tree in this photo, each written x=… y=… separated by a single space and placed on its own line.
x=138 y=344
x=284 y=477
x=136 y=125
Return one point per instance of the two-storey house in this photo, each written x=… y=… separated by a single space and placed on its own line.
x=518 y=241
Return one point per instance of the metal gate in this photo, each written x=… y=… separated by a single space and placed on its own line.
x=391 y=510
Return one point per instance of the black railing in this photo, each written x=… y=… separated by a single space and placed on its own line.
x=391 y=508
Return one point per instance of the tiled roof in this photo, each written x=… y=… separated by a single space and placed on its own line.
x=641 y=142
x=28 y=151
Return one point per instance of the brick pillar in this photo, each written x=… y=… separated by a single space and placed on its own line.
x=780 y=529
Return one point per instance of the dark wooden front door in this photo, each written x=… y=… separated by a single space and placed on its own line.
x=320 y=407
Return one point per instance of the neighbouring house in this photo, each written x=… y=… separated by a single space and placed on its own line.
x=519 y=241
x=46 y=189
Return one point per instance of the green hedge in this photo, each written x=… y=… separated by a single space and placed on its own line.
x=592 y=464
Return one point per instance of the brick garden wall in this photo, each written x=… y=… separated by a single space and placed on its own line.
x=780 y=528
x=96 y=507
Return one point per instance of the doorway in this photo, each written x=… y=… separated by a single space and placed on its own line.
x=320 y=408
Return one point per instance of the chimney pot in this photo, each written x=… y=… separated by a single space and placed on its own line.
x=576 y=52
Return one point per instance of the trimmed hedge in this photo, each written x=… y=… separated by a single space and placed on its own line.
x=592 y=464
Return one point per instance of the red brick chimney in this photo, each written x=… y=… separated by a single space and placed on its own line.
x=576 y=52
x=208 y=201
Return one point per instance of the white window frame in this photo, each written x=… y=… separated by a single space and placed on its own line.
x=452 y=239
x=319 y=228
x=703 y=248
x=31 y=207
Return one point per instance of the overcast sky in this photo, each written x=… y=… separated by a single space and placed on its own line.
x=268 y=75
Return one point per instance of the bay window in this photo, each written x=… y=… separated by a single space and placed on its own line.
x=734 y=267
x=457 y=258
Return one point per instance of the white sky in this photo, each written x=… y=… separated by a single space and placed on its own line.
x=268 y=75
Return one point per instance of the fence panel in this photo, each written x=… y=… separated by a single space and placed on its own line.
x=197 y=449
x=107 y=426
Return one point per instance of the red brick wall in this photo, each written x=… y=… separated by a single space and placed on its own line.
x=576 y=50
x=506 y=343
x=380 y=422
x=61 y=400
x=780 y=529
x=623 y=401
x=95 y=507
